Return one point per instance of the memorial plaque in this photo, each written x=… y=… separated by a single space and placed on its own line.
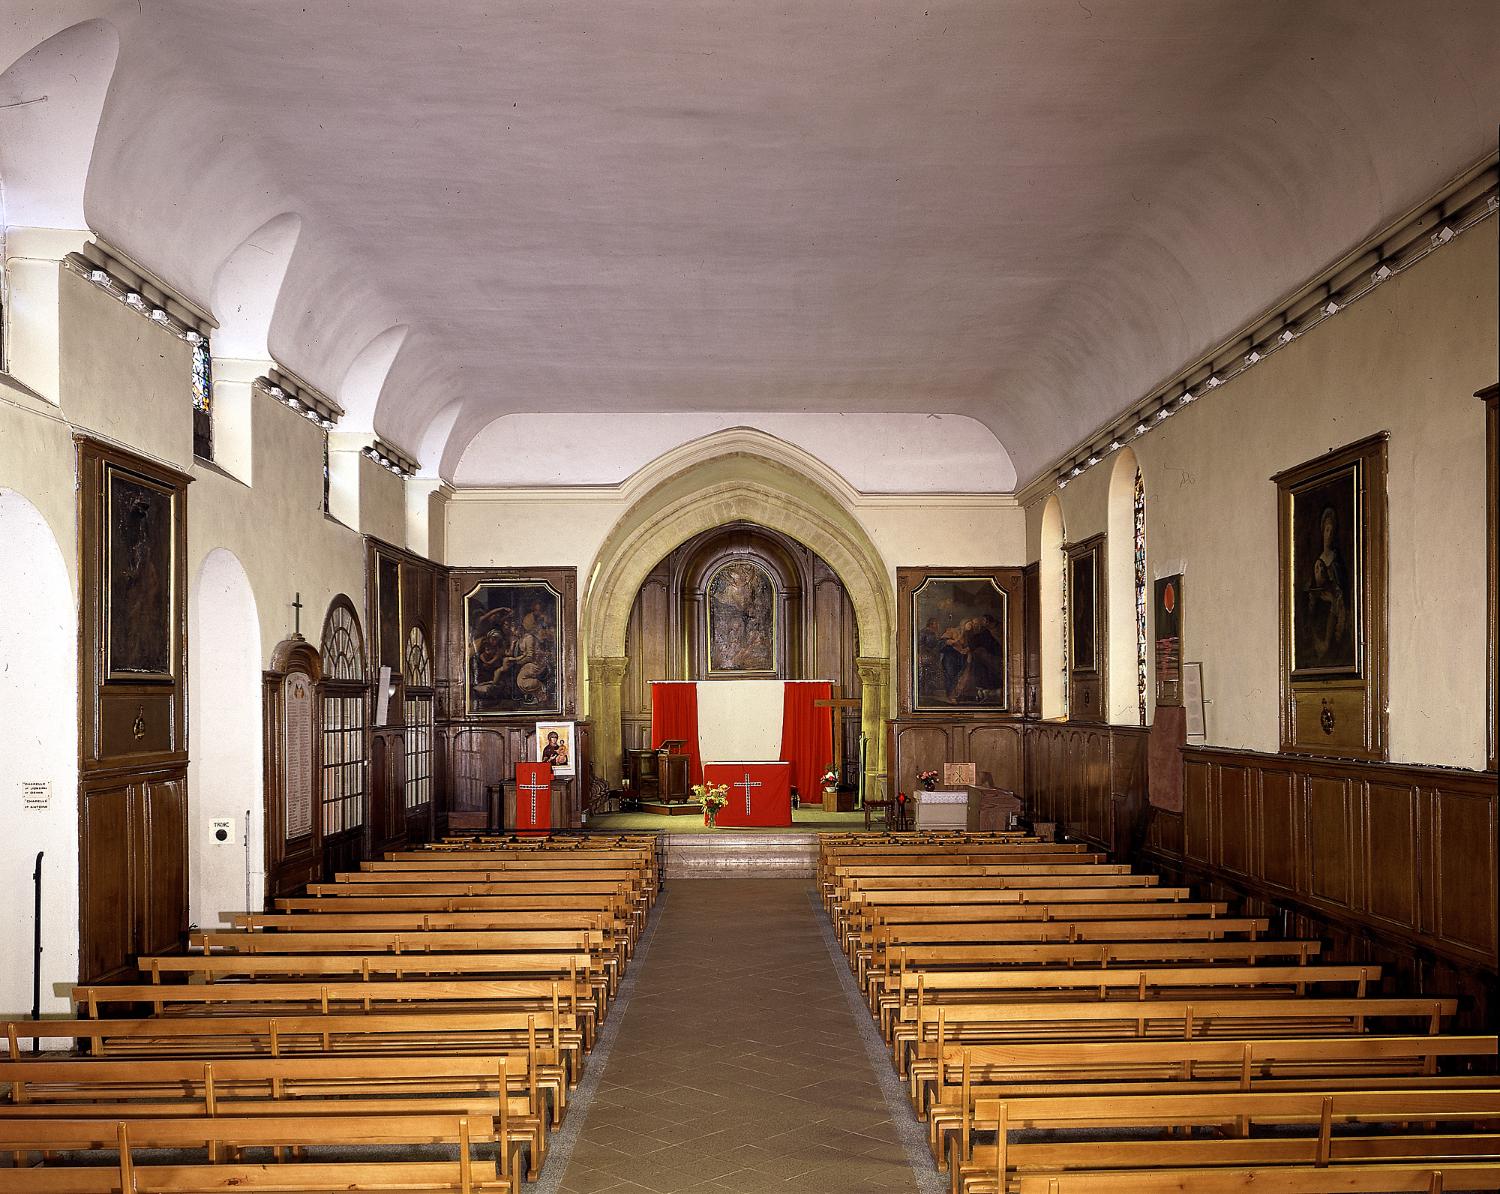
x=297 y=759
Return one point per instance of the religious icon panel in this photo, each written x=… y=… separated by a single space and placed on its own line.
x=960 y=629
x=1325 y=573
x=741 y=606
x=554 y=746
x=139 y=577
x=513 y=637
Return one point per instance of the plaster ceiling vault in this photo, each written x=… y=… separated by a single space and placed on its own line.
x=1026 y=212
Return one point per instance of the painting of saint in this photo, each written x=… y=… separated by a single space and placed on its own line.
x=959 y=655
x=1083 y=612
x=1168 y=639
x=741 y=603
x=388 y=608
x=139 y=566
x=514 y=647
x=1326 y=576
x=554 y=746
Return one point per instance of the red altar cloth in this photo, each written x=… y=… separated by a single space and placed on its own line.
x=759 y=793
x=533 y=798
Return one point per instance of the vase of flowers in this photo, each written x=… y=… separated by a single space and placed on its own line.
x=928 y=779
x=713 y=797
x=830 y=782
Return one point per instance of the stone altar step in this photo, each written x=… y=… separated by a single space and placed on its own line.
x=747 y=854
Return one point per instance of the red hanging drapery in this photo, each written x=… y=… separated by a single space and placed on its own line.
x=806 y=736
x=674 y=714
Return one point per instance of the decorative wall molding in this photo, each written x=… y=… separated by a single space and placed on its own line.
x=292 y=392
x=1465 y=202
x=390 y=458
x=140 y=290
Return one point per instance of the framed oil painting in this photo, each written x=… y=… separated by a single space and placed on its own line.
x=960 y=644
x=1168 y=630
x=740 y=603
x=140 y=532
x=555 y=744
x=1325 y=568
x=1083 y=612
x=513 y=634
x=1333 y=556
x=388 y=610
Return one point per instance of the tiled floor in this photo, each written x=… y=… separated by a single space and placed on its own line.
x=738 y=1065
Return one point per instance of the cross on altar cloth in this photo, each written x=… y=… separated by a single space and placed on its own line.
x=761 y=792
x=747 y=783
x=533 y=811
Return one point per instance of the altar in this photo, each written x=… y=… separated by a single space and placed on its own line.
x=760 y=793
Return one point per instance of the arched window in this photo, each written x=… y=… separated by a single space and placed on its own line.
x=1053 y=578
x=346 y=694
x=1127 y=591
x=418 y=707
x=1138 y=518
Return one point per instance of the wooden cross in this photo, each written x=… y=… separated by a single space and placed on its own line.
x=747 y=783
x=297 y=605
x=834 y=707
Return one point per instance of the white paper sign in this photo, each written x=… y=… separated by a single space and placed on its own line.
x=1192 y=700
x=36 y=794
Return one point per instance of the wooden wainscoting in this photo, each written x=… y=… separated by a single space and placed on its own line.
x=1391 y=863
x=1091 y=779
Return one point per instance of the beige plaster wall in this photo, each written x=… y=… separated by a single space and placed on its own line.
x=1406 y=359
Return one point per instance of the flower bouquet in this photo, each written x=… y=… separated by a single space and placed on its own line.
x=830 y=782
x=928 y=779
x=713 y=797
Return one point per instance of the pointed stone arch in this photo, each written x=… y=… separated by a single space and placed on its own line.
x=735 y=486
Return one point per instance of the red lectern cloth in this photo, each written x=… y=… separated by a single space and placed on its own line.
x=533 y=797
x=759 y=793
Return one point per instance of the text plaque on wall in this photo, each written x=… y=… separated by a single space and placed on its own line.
x=297 y=759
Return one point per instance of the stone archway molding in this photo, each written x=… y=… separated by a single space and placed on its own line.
x=708 y=493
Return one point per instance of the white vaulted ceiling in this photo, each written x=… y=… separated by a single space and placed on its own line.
x=1026 y=212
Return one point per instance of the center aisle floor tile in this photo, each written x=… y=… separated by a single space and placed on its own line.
x=739 y=1063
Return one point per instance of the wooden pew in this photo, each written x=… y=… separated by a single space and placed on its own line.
x=1234 y=1113
x=214 y=1133
x=156 y=1088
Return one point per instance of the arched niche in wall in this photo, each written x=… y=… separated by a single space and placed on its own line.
x=812 y=620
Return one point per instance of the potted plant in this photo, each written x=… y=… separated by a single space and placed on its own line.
x=928 y=779
x=713 y=797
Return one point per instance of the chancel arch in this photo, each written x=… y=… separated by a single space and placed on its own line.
x=738 y=487
x=38 y=767
x=742 y=602
x=225 y=751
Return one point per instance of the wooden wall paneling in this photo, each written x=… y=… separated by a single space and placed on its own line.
x=1464 y=840
x=1389 y=864
x=1197 y=835
x=1127 y=805
x=161 y=824
x=291 y=859
x=1329 y=820
x=997 y=751
x=132 y=745
x=1234 y=820
x=106 y=843
x=919 y=747
x=1280 y=846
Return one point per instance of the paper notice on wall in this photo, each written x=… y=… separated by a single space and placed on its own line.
x=1192 y=700
x=36 y=794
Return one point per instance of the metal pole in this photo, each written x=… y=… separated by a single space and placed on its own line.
x=36 y=955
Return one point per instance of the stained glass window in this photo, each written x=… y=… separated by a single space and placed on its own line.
x=203 y=423
x=345 y=698
x=1139 y=514
x=327 y=472
x=418 y=707
x=1067 y=629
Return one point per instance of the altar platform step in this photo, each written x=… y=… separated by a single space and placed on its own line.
x=741 y=854
x=661 y=808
